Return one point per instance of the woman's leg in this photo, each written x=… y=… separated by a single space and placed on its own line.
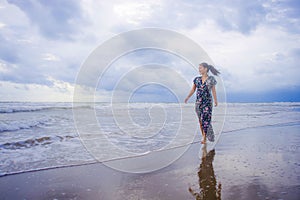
x=199 y=114
x=199 y=111
x=206 y=118
x=203 y=133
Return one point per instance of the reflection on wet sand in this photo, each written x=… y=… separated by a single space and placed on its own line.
x=207 y=179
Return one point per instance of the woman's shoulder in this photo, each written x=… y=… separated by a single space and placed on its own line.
x=196 y=77
x=212 y=79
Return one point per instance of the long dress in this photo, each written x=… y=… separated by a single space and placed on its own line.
x=203 y=104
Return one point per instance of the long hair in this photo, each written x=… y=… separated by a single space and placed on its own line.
x=210 y=68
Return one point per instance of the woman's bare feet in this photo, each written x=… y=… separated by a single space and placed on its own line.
x=203 y=141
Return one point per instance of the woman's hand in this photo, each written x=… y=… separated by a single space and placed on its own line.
x=190 y=94
x=216 y=103
x=215 y=95
x=186 y=99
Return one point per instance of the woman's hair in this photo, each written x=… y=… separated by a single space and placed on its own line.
x=211 y=68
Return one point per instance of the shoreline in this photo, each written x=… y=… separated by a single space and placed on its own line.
x=292 y=123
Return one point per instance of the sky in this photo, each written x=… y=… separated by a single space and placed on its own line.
x=254 y=44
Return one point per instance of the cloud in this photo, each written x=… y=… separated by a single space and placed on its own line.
x=7 y=51
x=55 y=19
x=128 y=63
x=135 y=12
x=229 y=15
x=31 y=55
x=50 y=57
x=2 y=25
x=58 y=92
x=4 y=68
x=254 y=62
x=283 y=14
x=254 y=44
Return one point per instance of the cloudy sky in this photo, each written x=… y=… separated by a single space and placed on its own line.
x=255 y=44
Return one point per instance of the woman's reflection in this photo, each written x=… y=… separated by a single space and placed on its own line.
x=207 y=179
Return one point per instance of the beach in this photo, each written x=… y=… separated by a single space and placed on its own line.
x=258 y=162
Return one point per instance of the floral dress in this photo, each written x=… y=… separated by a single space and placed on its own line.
x=203 y=104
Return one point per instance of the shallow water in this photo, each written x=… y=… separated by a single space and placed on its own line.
x=43 y=135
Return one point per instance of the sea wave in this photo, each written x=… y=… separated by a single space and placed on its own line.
x=22 y=124
x=37 y=108
x=15 y=107
x=34 y=142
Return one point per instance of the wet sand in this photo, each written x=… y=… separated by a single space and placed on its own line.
x=255 y=163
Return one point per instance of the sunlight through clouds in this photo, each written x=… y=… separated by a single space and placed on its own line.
x=50 y=57
x=134 y=12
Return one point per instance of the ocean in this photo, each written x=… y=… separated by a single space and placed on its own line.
x=36 y=136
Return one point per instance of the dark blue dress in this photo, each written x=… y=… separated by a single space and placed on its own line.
x=203 y=104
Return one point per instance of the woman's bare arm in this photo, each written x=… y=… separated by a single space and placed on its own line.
x=214 y=95
x=191 y=93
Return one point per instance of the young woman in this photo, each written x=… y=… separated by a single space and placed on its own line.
x=203 y=105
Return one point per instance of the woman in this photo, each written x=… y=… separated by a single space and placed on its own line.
x=203 y=105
